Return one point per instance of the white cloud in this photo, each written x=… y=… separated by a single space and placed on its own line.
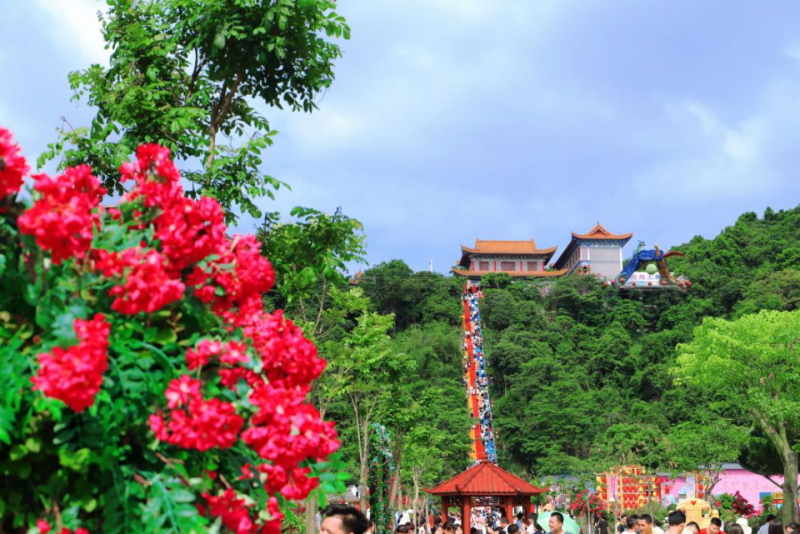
x=76 y=27
x=717 y=159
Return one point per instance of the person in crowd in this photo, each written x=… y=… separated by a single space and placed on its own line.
x=765 y=527
x=556 y=523
x=601 y=527
x=537 y=528
x=791 y=527
x=715 y=527
x=692 y=528
x=735 y=529
x=512 y=529
x=459 y=529
x=646 y=526
x=742 y=522
x=775 y=527
x=631 y=524
x=343 y=519
x=676 y=522
x=371 y=527
x=480 y=521
x=520 y=520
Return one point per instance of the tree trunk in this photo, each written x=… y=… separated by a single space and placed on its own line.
x=777 y=435
x=311 y=514
x=394 y=501
x=789 y=459
x=363 y=485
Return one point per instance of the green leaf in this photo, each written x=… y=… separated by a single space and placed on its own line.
x=17 y=452
x=219 y=40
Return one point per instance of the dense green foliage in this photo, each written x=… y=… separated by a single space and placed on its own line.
x=581 y=374
x=189 y=74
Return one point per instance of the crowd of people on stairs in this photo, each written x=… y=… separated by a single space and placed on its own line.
x=476 y=379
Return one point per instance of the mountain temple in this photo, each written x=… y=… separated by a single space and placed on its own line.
x=597 y=252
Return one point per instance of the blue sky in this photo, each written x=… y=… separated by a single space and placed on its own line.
x=500 y=119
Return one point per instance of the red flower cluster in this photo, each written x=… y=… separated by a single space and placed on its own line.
x=62 y=219
x=293 y=484
x=44 y=528
x=147 y=287
x=232 y=353
x=157 y=179
x=241 y=285
x=196 y=423
x=188 y=230
x=286 y=431
x=741 y=506
x=235 y=513
x=13 y=166
x=587 y=504
x=289 y=359
x=75 y=375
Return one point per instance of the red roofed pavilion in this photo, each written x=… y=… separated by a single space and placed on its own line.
x=485 y=479
x=517 y=258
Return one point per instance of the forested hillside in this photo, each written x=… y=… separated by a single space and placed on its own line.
x=581 y=374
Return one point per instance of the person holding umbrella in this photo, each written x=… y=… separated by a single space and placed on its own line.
x=556 y=523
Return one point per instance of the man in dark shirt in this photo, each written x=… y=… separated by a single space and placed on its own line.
x=602 y=526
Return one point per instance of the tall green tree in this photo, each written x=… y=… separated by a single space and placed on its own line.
x=755 y=360
x=186 y=73
x=367 y=353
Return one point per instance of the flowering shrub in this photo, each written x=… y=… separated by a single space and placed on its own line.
x=586 y=504
x=143 y=386
x=732 y=507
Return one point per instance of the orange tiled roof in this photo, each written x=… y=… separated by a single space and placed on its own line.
x=485 y=479
x=507 y=247
x=598 y=232
x=518 y=274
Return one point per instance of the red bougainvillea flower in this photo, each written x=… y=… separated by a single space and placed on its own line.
x=157 y=179
x=196 y=423
x=289 y=359
x=235 y=513
x=44 y=527
x=147 y=286
x=231 y=353
x=13 y=166
x=190 y=231
x=286 y=430
x=75 y=375
x=241 y=274
x=294 y=484
x=62 y=218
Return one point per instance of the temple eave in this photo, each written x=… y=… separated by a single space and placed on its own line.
x=515 y=274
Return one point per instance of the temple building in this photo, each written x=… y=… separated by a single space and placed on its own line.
x=598 y=252
x=517 y=258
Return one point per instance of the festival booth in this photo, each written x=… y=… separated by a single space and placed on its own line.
x=485 y=484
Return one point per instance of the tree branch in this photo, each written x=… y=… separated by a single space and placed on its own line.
x=321 y=305
x=219 y=113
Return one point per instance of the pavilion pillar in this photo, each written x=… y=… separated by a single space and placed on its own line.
x=530 y=507
x=466 y=512
x=509 y=506
x=445 y=505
